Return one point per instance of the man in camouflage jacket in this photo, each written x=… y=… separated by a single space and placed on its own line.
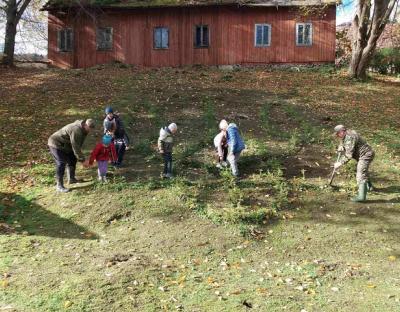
x=354 y=146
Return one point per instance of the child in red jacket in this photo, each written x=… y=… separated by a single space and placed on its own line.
x=103 y=153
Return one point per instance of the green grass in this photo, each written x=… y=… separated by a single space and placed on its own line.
x=278 y=239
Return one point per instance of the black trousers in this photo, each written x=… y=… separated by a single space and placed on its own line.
x=63 y=159
x=167 y=163
x=120 y=148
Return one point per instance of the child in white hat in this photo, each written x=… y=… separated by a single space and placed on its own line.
x=165 y=147
x=221 y=144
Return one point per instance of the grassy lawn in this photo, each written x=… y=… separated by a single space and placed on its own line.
x=279 y=239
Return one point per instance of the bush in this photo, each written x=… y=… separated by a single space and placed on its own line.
x=386 y=61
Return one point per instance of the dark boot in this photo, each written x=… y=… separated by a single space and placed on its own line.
x=370 y=187
x=60 y=186
x=362 y=193
x=71 y=175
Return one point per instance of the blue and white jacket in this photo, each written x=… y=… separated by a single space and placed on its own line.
x=235 y=142
x=165 y=141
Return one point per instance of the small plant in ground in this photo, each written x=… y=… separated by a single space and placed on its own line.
x=294 y=141
x=144 y=148
x=227 y=77
x=267 y=123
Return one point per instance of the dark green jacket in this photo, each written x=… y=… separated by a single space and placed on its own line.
x=69 y=139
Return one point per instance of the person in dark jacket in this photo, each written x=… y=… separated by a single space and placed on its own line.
x=113 y=125
x=66 y=148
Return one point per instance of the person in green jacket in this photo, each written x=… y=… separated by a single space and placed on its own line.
x=353 y=146
x=66 y=148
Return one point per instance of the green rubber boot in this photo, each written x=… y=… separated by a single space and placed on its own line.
x=362 y=193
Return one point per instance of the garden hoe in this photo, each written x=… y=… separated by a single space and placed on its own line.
x=334 y=171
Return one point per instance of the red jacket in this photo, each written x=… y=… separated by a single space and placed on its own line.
x=101 y=152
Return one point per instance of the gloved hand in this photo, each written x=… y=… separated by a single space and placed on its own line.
x=340 y=148
x=337 y=164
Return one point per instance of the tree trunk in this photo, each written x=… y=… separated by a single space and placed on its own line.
x=11 y=31
x=9 y=44
x=14 y=11
x=366 y=31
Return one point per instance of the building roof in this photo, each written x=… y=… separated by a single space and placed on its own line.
x=57 y=4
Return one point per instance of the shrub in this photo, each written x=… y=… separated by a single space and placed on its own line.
x=386 y=61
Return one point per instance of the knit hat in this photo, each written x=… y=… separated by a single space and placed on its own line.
x=173 y=127
x=223 y=124
x=90 y=123
x=339 y=128
x=109 y=110
x=107 y=139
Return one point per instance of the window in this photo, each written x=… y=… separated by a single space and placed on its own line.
x=201 y=36
x=65 y=40
x=104 y=38
x=262 y=35
x=161 y=38
x=304 y=34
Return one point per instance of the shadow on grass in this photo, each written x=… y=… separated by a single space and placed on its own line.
x=19 y=215
x=347 y=213
x=389 y=189
x=383 y=201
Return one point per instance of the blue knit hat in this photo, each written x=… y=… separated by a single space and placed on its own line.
x=109 y=110
x=107 y=139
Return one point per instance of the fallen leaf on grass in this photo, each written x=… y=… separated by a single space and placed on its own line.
x=392 y=258
x=263 y=291
x=236 y=292
x=371 y=286
x=67 y=304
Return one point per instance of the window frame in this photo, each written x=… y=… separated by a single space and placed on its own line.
x=297 y=34
x=269 y=35
x=67 y=30
x=98 y=48
x=154 y=38
x=201 y=46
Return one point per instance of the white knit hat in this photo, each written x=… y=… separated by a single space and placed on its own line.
x=223 y=124
x=173 y=127
x=339 y=128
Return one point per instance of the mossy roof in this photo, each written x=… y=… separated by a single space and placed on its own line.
x=56 y=4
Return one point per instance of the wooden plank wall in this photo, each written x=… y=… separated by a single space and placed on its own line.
x=231 y=37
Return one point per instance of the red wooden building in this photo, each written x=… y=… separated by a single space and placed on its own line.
x=156 y=33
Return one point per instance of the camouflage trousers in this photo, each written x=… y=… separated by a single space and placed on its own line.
x=363 y=166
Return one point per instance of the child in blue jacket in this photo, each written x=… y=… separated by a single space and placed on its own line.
x=235 y=147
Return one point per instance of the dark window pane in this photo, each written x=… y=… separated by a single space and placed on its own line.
x=300 y=32
x=104 y=38
x=259 y=35
x=265 y=35
x=198 y=36
x=68 y=44
x=205 y=36
x=307 y=34
x=157 y=38
x=61 y=40
x=164 y=38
